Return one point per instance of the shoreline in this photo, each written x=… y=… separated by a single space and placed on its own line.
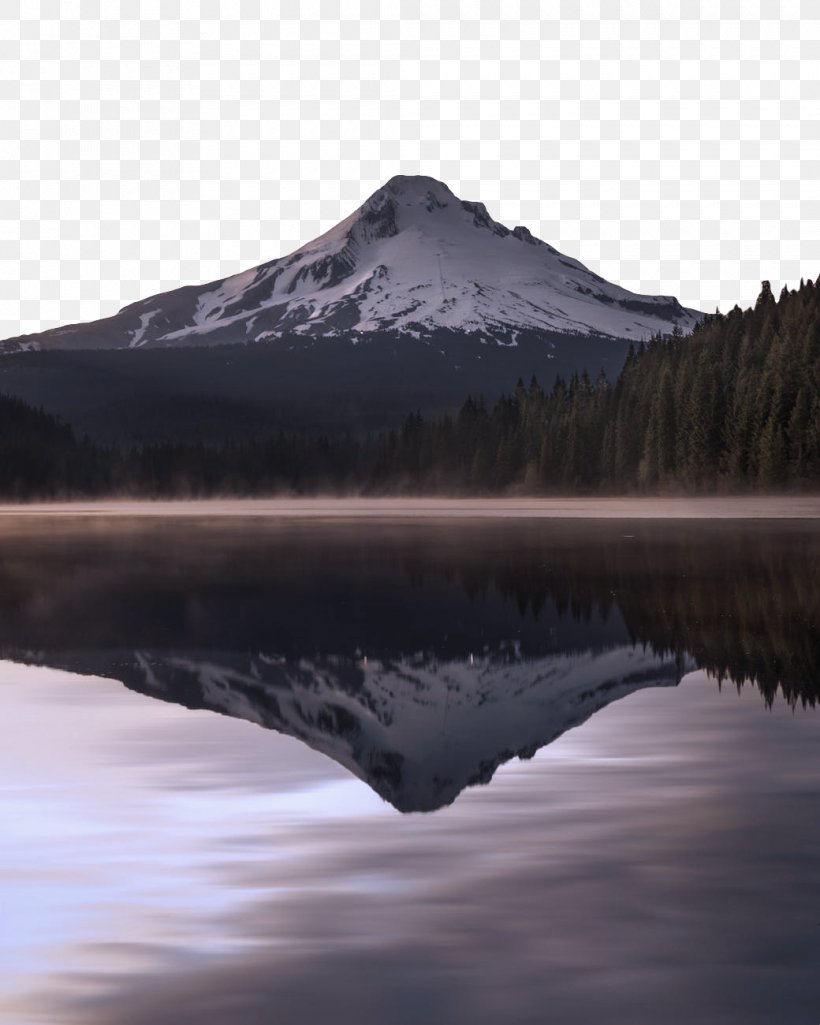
x=709 y=508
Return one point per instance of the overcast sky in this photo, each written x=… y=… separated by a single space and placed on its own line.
x=672 y=147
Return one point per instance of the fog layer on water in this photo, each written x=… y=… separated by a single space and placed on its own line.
x=691 y=508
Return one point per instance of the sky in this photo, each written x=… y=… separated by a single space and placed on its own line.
x=672 y=147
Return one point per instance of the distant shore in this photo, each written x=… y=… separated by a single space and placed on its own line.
x=745 y=508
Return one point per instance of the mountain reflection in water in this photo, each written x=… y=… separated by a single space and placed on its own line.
x=419 y=656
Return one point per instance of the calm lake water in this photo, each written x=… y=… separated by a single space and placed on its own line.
x=479 y=771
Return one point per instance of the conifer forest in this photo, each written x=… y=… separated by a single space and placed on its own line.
x=733 y=407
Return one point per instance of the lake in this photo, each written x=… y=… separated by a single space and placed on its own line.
x=354 y=766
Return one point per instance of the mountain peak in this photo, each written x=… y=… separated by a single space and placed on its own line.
x=413 y=258
x=413 y=194
x=417 y=185
x=419 y=193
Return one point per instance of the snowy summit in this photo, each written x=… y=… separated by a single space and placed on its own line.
x=413 y=258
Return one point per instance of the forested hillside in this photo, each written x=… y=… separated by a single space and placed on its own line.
x=733 y=407
x=736 y=405
x=41 y=458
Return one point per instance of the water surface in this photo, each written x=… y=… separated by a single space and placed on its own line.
x=523 y=771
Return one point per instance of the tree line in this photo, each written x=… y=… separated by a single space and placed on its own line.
x=735 y=406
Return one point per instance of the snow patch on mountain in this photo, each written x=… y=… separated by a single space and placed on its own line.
x=138 y=335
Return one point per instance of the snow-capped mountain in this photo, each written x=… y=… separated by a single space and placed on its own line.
x=413 y=259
